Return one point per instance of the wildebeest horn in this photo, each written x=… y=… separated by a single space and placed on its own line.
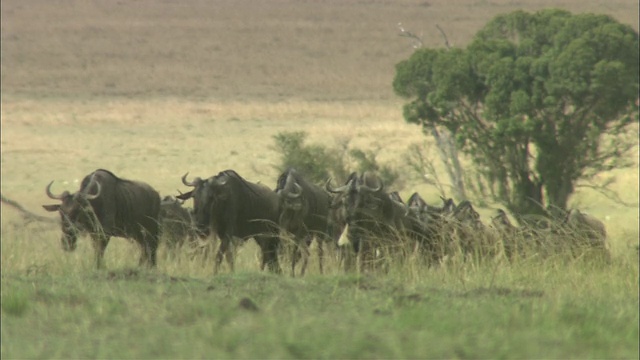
x=177 y=199
x=94 y=196
x=331 y=189
x=295 y=194
x=51 y=195
x=194 y=183
x=370 y=189
x=499 y=214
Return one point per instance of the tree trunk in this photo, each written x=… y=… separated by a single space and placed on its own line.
x=558 y=192
x=449 y=157
x=526 y=199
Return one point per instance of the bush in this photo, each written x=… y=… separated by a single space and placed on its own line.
x=319 y=163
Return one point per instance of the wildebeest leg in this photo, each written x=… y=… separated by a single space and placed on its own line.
x=365 y=255
x=100 y=242
x=149 y=247
x=229 y=255
x=222 y=250
x=320 y=253
x=269 y=247
x=305 y=253
x=295 y=254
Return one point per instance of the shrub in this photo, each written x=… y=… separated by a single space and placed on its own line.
x=318 y=163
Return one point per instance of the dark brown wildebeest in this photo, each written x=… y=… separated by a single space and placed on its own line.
x=107 y=206
x=588 y=227
x=429 y=213
x=586 y=231
x=469 y=233
x=369 y=213
x=429 y=221
x=337 y=210
x=232 y=207
x=304 y=212
x=176 y=224
x=511 y=235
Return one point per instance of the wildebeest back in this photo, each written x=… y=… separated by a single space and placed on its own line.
x=126 y=208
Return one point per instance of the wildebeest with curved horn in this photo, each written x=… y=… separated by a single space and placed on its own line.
x=107 y=206
x=233 y=207
x=429 y=221
x=304 y=211
x=469 y=232
x=369 y=210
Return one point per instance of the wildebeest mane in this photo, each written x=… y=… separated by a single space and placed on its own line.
x=245 y=184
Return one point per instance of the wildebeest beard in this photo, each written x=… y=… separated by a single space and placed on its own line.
x=77 y=216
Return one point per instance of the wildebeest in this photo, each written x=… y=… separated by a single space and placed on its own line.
x=232 y=207
x=469 y=230
x=428 y=213
x=304 y=211
x=369 y=212
x=511 y=235
x=176 y=225
x=337 y=209
x=395 y=196
x=586 y=230
x=107 y=206
x=588 y=226
x=429 y=222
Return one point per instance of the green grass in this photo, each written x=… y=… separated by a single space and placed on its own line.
x=148 y=115
x=54 y=305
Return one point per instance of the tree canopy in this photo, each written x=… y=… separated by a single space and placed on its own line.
x=538 y=100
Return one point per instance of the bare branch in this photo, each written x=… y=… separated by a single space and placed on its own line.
x=444 y=37
x=608 y=193
x=26 y=213
x=417 y=41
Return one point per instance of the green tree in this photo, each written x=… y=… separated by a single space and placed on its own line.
x=538 y=101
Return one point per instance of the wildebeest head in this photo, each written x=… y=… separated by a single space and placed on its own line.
x=467 y=215
x=359 y=206
x=290 y=192
x=395 y=196
x=204 y=196
x=429 y=213
x=292 y=200
x=168 y=200
x=175 y=221
x=587 y=226
x=76 y=212
x=337 y=209
x=501 y=221
x=363 y=198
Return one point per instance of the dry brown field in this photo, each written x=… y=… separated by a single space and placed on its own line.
x=152 y=89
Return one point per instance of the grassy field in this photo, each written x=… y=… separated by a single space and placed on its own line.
x=153 y=89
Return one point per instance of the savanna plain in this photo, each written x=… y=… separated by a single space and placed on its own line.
x=154 y=89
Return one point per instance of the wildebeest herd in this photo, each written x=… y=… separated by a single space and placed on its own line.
x=360 y=219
